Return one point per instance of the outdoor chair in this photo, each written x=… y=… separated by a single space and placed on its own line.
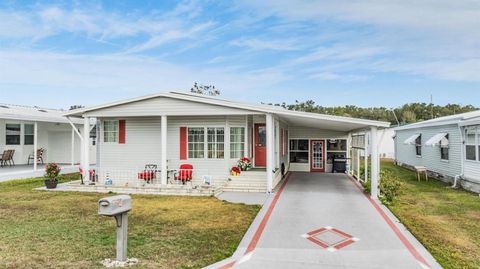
x=92 y=175
x=40 y=153
x=7 y=158
x=4 y=157
x=149 y=174
x=184 y=173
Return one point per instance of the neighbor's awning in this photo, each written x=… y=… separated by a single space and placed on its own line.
x=438 y=139
x=411 y=139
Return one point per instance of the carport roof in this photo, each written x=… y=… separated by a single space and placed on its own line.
x=296 y=118
x=28 y=113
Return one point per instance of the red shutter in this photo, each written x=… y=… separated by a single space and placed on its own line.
x=183 y=143
x=121 y=132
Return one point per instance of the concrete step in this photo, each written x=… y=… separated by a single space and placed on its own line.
x=244 y=189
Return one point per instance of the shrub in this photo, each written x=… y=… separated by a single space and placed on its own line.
x=390 y=187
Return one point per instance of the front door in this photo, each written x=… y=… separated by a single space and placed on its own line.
x=260 y=145
x=317 y=156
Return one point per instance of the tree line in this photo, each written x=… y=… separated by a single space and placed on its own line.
x=408 y=113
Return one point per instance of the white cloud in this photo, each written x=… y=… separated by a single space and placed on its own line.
x=270 y=44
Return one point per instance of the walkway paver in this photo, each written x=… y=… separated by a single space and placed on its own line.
x=312 y=201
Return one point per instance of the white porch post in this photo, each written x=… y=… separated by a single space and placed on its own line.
x=277 y=143
x=246 y=150
x=365 y=152
x=375 y=163
x=85 y=148
x=269 y=126
x=72 y=153
x=164 y=150
x=35 y=145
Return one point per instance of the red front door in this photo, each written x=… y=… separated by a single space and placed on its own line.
x=317 y=156
x=260 y=145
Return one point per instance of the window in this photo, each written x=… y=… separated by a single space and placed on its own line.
x=12 y=134
x=110 y=131
x=444 y=148
x=237 y=142
x=470 y=145
x=216 y=143
x=418 y=145
x=196 y=143
x=28 y=135
x=299 y=151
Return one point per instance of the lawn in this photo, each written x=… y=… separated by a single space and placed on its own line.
x=445 y=220
x=40 y=229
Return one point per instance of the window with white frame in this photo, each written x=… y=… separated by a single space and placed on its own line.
x=110 y=131
x=12 y=134
x=28 y=134
x=216 y=142
x=237 y=142
x=299 y=151
x=444 y=148
x=196 y=143
x=418 y=145
x=471 y=144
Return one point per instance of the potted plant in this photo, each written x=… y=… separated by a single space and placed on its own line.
x=244 y=164
x=52 y=170
x=235 y=171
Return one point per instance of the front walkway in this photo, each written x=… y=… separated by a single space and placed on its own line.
x=325 y=221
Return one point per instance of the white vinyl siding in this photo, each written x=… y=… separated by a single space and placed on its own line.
x=431 y=156
x=169 y=106
x=237 y=142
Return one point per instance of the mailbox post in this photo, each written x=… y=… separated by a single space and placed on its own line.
x=118 y=207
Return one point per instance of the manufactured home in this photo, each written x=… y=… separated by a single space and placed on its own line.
x=167 y=130
x=29 y=133
x=448 y=147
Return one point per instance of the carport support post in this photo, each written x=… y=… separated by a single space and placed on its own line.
x=35 y=145
x=375 y=163
x=72 y=150
x=270 y=150
x=163 y=172
x=85 y=151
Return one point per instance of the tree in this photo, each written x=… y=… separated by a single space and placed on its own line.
x=205 y=89
x=409 y=116
x=76 y=107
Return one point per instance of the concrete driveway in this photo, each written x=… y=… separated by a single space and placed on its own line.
x=325 y=221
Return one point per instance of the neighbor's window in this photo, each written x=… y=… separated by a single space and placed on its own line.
x=418 y=145
x=28 y=134
x=299 y=151
x=444 y=148
x=196 y=143
x=470 y=145
x=216 y=143
x=12 y=134
x=110 y=131
x=237 y=142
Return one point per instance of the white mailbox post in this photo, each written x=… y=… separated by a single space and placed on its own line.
x=118 y=207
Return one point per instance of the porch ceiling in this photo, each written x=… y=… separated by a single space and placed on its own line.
x=327 y=124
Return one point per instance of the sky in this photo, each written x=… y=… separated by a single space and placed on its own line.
x=365 y=53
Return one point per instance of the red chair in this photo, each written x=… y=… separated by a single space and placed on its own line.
x=184 y=173
x=149 y=174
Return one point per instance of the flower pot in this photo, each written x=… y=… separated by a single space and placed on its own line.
x=51 y=183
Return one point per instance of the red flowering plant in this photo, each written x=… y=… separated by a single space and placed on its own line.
x=52 y=170
x=235 y=171
x=244 y=163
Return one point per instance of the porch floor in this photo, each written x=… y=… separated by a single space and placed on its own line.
x=26 y=171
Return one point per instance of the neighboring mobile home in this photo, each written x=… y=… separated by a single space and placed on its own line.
x=24 y=129
x=448 y=147
x=170 y=129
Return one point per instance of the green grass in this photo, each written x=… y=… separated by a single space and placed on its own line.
x=40 y=229
x=446 y=221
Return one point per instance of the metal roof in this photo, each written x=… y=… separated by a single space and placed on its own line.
x=29 y=113
x=460 y=119
x=301 y=118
